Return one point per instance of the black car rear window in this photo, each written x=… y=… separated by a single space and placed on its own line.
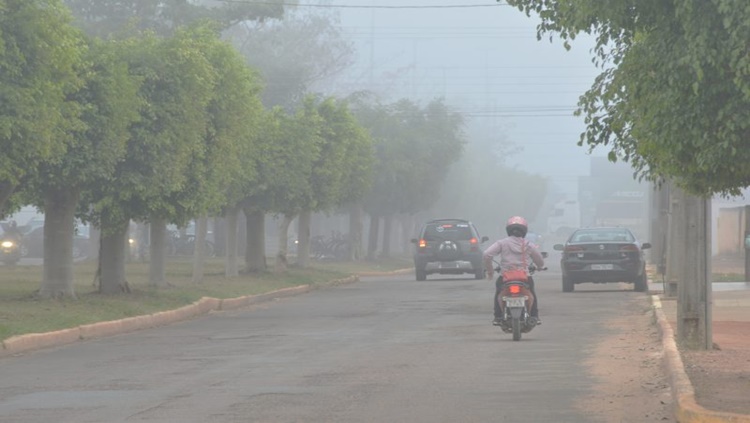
x=600 y=235
x=448 y=231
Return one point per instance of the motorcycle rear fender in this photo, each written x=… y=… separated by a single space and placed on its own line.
x=516 y=312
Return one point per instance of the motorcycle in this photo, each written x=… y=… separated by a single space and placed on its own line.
x=515 y=300
x=10 y=250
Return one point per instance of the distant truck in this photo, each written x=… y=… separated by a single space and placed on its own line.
x=564 y=217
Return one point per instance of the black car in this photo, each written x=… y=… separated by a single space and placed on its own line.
x=448 y=246
x=602 y=255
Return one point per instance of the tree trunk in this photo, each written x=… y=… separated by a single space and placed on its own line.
x=372 y=241
x=94 y=241
x=675 y=241
x=6 y=190
x=114 y=246
x=387 y=235
x=199 y=252
x=142 y=241
x=355 y=232
x=158 y=253
x=282 y=259
x=59 y=230
x=220 y=236
x=406 y=233
x=255 y=253
x=303 y=231
x=231 y=268
x=693 y=289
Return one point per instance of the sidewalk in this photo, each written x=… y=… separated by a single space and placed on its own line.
x=714 y=385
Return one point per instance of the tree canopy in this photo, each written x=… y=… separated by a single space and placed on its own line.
x=673 y=98
x=104 y=17
x=414 y=147
x=293 y=54
x=40 y=54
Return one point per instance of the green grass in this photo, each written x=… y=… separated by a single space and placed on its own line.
x=727 y=277
x=22 y=312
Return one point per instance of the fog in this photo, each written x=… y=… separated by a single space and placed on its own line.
x=516 y=93
x=488 y=63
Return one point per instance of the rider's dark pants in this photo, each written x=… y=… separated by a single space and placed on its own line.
x=499 y=287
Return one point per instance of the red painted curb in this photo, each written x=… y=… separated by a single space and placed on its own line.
x=31 y=341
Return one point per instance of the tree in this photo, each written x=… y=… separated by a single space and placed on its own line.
x=414 y=146
x=675 y=97
x=357 y=175
x=177 y=85
x=674 y=103
x=288 y=146
x=339 y=133
x=294 y=54
x=40 y=55
x=481 y=187
x=235 y=113
x=108 y=105
x=105 y=17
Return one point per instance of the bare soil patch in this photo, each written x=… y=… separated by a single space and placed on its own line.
x=721 y=377
x=633 y=385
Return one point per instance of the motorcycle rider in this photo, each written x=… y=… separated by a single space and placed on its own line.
x=515 y=253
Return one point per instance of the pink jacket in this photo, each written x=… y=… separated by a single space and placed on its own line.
x=511 y=257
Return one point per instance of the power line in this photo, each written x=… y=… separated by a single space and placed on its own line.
x=351 y=6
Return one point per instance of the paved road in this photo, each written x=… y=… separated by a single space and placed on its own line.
x=379 y=350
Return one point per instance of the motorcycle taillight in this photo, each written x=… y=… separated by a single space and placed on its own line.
x=514 y=289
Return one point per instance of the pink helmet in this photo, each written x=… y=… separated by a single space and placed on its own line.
x=516 y=226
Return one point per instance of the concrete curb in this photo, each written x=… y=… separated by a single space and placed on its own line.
x=686 y=409
x=393 y=272
x=34 y=341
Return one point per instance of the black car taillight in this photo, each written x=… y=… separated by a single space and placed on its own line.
x=474 y=243
x=422 y=243
x=573 y=249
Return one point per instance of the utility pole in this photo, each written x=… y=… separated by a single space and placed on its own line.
x=693 y=288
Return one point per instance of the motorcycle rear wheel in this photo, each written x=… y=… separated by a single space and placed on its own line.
x=516 y=324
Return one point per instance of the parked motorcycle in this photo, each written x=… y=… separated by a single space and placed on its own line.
x=515 y=300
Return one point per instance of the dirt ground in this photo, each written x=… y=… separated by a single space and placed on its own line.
x=633 y=385
x=633 y=380
x=721 y=377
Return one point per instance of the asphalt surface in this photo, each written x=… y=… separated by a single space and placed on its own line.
x=384 y=349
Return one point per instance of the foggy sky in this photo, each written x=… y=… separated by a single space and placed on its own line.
x=488 y=62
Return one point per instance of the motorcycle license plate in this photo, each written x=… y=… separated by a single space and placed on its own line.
x=514 y=301
x=602 y=267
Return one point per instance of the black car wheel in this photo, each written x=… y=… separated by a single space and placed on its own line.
x=567 y=284
x=421 y=274
x=641 y=283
